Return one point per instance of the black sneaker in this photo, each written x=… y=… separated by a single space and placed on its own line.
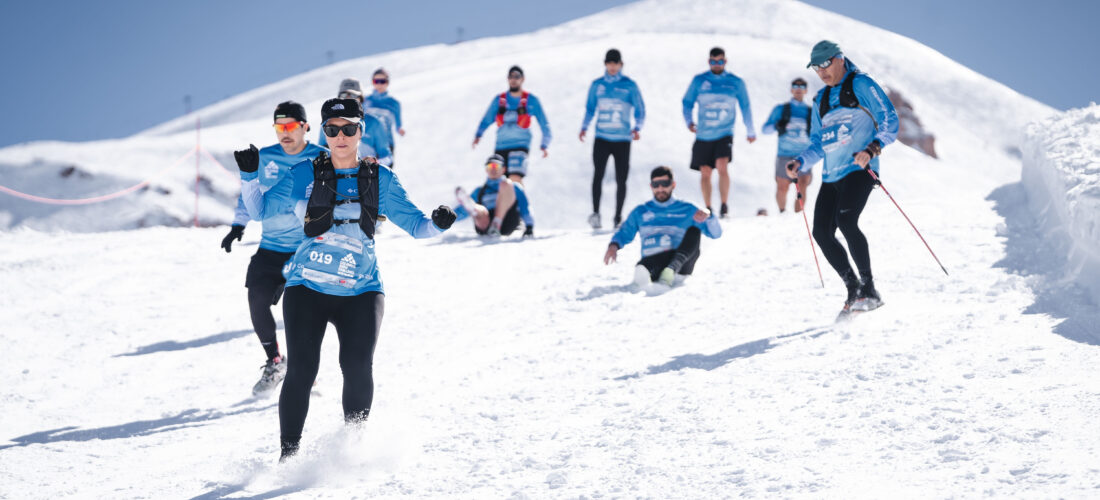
x=725 y=211
x=618 y=221
x=868 y=298
x=289 y=449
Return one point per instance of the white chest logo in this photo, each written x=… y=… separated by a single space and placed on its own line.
x=271 y=170
x=347 y=266
x=648 y=216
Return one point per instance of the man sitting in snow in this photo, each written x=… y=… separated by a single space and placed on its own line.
x=500 y=197
x=670 y=230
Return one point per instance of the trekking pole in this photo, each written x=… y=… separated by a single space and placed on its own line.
x=802 y=208
x=879 y=182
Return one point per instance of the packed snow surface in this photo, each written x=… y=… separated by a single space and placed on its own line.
x=528 y=369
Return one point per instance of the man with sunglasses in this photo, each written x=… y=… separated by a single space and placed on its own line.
x=791 y=120
x=512 y=112
x=282 y=231
x=375 y=139
x=498 y=205
x=852 y=121
x=718 y=93
x=384 y=107
x=333 y=276
x=670 y=230
x=612 y=99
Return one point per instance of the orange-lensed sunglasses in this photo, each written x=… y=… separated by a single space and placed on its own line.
x=287 y=127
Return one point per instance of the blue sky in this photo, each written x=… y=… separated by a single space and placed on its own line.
x=112 y=68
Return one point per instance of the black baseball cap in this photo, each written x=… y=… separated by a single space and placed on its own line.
x=347 y=109
x=515 y=69
x=290 y=109
x=613 y=56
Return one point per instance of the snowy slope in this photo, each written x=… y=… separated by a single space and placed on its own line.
x=445 y=89
x=129 y=354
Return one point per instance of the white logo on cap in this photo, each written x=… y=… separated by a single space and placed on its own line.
x=337 y=106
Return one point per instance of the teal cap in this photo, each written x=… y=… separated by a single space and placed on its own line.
x=823 y=51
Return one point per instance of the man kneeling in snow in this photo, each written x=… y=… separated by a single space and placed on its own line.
x=497 y=206
x=670 y=231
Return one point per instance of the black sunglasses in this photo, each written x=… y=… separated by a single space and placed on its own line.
x=380 y=81
x=661 y=183
x=348 y=130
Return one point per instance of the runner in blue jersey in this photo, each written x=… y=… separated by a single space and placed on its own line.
x=852 y=121
x=497 y=206
x=791 y=120
x=383 y=106
x=719 y=94
x=670 y=230
x=333 y=276
x=282 y=232
x=612 y=99
x=512 y=112
x=376 y=140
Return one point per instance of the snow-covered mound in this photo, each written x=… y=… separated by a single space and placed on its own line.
x=445 y=89
x=1062 y=176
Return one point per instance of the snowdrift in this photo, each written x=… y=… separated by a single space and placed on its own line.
x=1061 y=174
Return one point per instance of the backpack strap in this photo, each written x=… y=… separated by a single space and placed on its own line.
x=784 y=119
x=848 y=97
x=367 y=182
x=502 y=107
x=322 y=200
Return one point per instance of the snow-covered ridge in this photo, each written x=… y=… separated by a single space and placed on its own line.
x=1062 y=176
x=978 y=122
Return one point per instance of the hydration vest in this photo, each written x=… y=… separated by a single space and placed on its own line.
x=522 y=118
x=785 y=118
x=324 y=199
x=848 y=97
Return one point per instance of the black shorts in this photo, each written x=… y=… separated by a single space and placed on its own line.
x=707 y=152
x=507 y=226
x=515 y=161
x=266 y=269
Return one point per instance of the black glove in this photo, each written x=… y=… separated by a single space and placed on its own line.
x=234 y=232
x=529 y=232
x=248 y=160
x=443 y=217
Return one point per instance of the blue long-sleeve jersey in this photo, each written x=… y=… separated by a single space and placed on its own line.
x=374 y=142
x=843 y=132
x=510 y=135
x=342 y=260
x=795 y=140
x=718 y=97
x=282 y=230
x=662 y=225
x=383 y=106
x=613 y=99
x=487 y=194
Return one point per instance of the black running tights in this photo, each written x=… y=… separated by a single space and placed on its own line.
x=601 y=151
x=306 y=314
x=839 y=205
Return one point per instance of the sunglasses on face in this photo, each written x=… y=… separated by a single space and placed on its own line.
x=381 y=81
x=348 y=95
x=494 y=166
x=287 y=127
x=348 y=130
x=826 y=64
x=515 y=76
x=717 y=62
x=798 y=86
x=660 y=183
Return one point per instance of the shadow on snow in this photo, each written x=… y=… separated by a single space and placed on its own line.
x=720 y=359
x=187 y=418
x=223 y=492
x=171 y=345
x=1031 y=253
